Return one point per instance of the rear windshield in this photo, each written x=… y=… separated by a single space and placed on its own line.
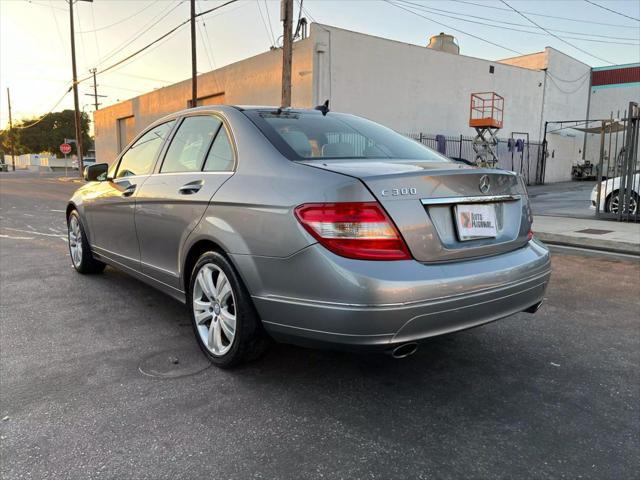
x=311 y=135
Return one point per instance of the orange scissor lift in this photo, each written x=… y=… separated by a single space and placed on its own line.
x=485 y=115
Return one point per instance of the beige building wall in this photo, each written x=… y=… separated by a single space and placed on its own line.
x=533 y=61
x=254 y=81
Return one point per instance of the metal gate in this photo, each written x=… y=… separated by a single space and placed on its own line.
x=618 y=192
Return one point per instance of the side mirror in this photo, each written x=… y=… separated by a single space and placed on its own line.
x=96 y=172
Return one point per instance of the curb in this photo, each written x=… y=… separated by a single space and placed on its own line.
x=590 y=243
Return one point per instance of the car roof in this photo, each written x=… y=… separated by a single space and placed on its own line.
x=226 y=108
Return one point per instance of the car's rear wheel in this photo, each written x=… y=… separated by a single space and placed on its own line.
x=225 y=322
x=613 y=203
x=79 y=248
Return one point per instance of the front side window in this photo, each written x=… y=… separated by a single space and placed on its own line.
x=190 y=144
x=140 y=157
x=220 y=157
x=311 y=135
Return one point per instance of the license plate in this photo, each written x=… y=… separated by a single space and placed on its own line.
x=476 y=221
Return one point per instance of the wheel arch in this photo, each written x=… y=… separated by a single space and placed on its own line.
x=193 y=253
x=70 y=207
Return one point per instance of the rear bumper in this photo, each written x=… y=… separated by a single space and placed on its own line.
x=315 y=297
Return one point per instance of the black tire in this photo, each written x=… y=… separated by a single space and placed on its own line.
x=250 y=340
x=84 y=263
x=614 y=196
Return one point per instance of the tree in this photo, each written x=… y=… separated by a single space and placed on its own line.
x=47 y=134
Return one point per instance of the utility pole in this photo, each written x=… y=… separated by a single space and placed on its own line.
x=76 y=103
x=95 y=90
x=286 y=15
x=194 y=72
x=11 y=139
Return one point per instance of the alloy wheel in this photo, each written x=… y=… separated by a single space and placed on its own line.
x=214 y=309
x=631 y=208
x=75 y=241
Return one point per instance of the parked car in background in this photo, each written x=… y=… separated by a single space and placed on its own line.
x=309 y=227
x=86 y=161
x=610 y=195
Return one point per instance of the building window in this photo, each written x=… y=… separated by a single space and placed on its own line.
x=491 y=69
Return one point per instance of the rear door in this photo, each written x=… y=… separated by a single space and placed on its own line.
x=110 y=208
x=198 y=160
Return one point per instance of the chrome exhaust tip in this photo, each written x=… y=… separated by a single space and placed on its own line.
x=534 y=308
x=405 y=350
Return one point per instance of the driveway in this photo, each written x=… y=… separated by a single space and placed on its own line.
x=563 y=199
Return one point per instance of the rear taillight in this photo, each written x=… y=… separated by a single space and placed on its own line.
x=358 y=230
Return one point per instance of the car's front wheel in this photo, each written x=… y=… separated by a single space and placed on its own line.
x=613 y=203
x=79 y=248
x=224 y=319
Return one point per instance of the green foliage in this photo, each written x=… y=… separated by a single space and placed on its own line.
x=48 y=134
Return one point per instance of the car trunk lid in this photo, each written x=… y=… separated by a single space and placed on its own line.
x=427 y=202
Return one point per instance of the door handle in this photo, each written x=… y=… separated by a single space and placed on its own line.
x=129 y=191
x=191 y=188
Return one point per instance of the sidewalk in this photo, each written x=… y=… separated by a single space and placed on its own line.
x=606 y=235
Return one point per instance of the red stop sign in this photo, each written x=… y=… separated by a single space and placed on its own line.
x=65 y=148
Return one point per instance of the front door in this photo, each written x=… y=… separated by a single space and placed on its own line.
x=169 y=205
x=111 y=210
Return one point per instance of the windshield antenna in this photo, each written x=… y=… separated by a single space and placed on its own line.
x=324 y=108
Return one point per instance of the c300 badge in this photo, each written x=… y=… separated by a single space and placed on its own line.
x=397 y=192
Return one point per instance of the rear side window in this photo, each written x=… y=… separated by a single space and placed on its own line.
x=140 y=157
x=306 y=135
x=220 y=157
x=190 y=144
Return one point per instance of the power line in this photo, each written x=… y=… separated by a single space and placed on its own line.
x=295 y=35
x=145 y=29
x=455 y=29
x=128 y=17
x=266 y=7
x=588 y=72
x=484 y=5
x=264 y=22
x=162 y=37
x=433 y=10
x=612 y=11
x=567 y=92
x=41 y=5
x=205 y=46
x=95 y=35
x=23 y=127
x=556 y=36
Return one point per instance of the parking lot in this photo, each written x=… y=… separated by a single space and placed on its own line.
x=101 y=377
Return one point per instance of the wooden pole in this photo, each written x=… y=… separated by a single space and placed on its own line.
x=76 y=103
x=194 y=72
x=287 y=50
x=11 y=139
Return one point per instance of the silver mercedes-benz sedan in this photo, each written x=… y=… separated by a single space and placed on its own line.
x=308 y=227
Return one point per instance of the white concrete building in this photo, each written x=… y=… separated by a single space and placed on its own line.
x=408 y=87
x=612 y=88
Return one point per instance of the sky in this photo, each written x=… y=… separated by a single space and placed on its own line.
x=35 y=58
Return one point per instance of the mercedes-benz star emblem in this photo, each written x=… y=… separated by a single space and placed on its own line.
x=485 y=184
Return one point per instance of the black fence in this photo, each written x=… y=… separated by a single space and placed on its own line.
x=618 y=196
x=515 y=154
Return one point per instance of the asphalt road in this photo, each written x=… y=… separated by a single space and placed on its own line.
x=551 y=395
x=564 y=199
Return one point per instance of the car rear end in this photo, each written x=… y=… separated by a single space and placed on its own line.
x=439 y=247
